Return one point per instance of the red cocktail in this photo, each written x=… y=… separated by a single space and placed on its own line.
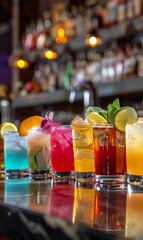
x=62 y=160
x=109 y=152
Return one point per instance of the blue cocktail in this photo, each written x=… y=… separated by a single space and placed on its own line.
x=15 y=154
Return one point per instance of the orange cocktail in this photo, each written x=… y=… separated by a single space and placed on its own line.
x=134 y=151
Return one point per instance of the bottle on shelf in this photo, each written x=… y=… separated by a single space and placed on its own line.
x=30 y=38
x=119 y=63
x=44 y=31
x=130 y=62
x=121 y=11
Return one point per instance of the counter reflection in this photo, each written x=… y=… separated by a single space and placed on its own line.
x=134 y=213
x=110 y=210
x=117 y=211
x=83 y=211
x=16 y=192
x=62 y=200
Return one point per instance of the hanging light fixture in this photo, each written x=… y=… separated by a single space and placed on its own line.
x=61 y=36
x=19 y=61
x=93 y=40
x=50 y=54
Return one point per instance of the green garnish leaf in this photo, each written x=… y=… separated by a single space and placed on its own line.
x=98 y=110
x=108 y=114
x=93 y=109
x=112 y=108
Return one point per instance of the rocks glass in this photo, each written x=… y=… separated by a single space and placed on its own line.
x=38 y=153
x=62 y=160
x=82 y=134
x=134 y=152
x=109 y=155
x=1 y=155
x=15 y=155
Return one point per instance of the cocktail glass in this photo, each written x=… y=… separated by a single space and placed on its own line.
x=62 y=160
x=82 y=134
x=1 y=155
x=38 y=153
x=15 y=155
x=134 y=152
x=109 y=154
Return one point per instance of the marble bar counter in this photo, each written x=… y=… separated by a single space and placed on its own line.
x=66 y=211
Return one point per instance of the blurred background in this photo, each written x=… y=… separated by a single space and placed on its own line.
x=66 y=55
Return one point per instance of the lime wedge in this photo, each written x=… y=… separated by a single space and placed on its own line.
x=95 y=118
x=6 y=127
x=125 y=115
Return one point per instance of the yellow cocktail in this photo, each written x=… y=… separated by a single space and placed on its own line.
x=82 y=134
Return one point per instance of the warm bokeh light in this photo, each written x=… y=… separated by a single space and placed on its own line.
x=21 y=63
x=50 y=54
x=93 y=41
x=61 y=37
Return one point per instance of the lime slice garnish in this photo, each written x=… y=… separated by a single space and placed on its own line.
x=6 y=127
x=95 y=118
x=125 y=115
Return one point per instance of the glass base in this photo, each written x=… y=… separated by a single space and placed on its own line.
x=85 y=177
x=16 y=173
x=62 y=176
x=2 y=171
x=113 y=180
x=134 y=179
x=39 y=174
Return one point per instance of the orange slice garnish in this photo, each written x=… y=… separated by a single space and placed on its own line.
x=28 y=123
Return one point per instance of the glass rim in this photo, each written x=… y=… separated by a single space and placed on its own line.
x=63 y=125
x=11 y=132
x=34 y=129
x=105 y=125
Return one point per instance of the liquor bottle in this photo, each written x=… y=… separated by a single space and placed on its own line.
x=140 y=60
x=119 y=64
x=112 y=9
x=121 y=11
x=111 y=65
x=137 y=7
x=130 y=62
x=70 y=22
x=44 y=31
x=93 y=68
x=80 y=30
x=40 y=34
x=129 y=9
x=30 y=38
x=105 y=15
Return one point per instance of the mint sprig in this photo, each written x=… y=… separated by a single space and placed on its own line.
x=112 y=108
x=107 y=114
x=98 y=110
